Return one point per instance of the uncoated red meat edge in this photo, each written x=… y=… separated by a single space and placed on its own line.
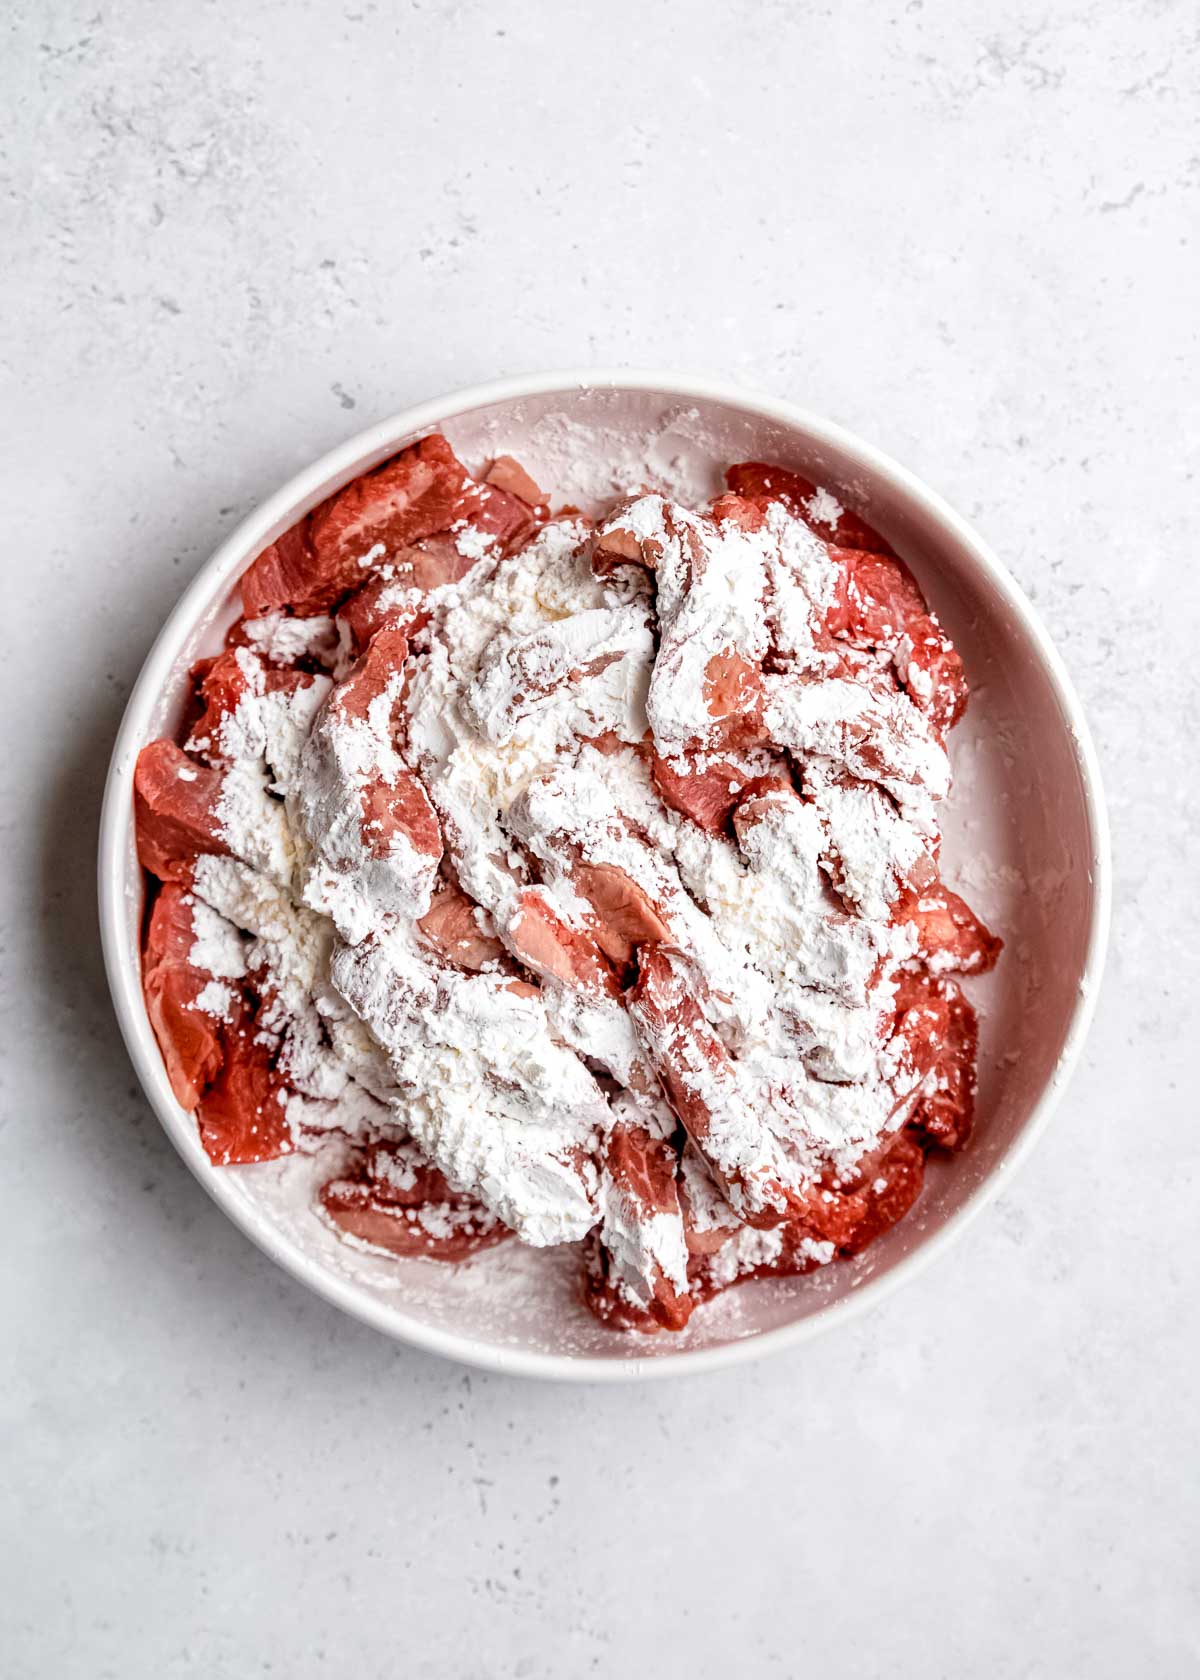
x=224 y=685
x=757 y=481
x=175 y=804
x=242 y=1114
x=550 y=947
x=451 y=926
x=380 y=1203
x=400 y=806
x=395 y=1229
x=949 y=930
x=189 y=1038
x=418 y=494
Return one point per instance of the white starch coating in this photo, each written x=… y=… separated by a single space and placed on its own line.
x=507 y=769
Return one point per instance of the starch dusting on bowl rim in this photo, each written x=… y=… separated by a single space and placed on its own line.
x=571 y=404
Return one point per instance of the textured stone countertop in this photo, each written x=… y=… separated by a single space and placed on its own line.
x=236 y=234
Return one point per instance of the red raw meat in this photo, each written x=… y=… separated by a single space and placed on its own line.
x=639 y=1171
x=893 y=1186
x=922 y=1020
x=510 y=476
x=223 y=685
x=175 y=802
x=851 y=1217
x=451 y=926
x=411 y=574
x=879 y=596
x=733 y=695
x=625 y=916
x=286 y=574
x=387 y=654
x=552 y=948
x=399 y=1230
x=399 y=1171
x=241 y=1114
x=757 y=481
x=944 y=1115
x=395 y=601
x=880 y=604
x=189 y=1038
x=950 y=935
x=396 y=807
x=400 y=1201
x=793 y=1260
x=616 y=545
x=710 y=795
x=499 y=514
x=366 y=612
x=420 y=492
x=737 y=510
x=391 y=798
x=707 y=796
x=414 y=510
x=687 y=1054
x=602 y=1297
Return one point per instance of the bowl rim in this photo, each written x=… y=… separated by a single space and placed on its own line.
x=122 y=958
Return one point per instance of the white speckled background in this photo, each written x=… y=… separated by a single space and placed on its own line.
x=233 y=234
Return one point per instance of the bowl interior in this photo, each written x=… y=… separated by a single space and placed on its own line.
x=1019 y=843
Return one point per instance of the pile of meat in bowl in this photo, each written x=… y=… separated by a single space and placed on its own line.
x=571 y=882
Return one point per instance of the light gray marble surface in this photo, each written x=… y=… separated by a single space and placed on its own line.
x=233 y=235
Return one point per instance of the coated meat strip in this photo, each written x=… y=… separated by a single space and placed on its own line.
x=592 y=669
x=870 y=732
x=950 y=936
x=756 y=481
x=192 y=968
x=248 y=738
x=510 y=1115
x=639 y=1263
x=397 y=1200
x=421 y=492
x=707 y=787
x=878 y=603
x=582 y=996
x=632 y=892
x=458 y=929
x=334 y=1080
x=880 y=606
x=710 y=584
x=702 y=1082
x=781 y=837
x=375 y=840
x=872 y=853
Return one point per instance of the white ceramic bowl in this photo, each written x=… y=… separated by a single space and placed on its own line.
x=1025 y=837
